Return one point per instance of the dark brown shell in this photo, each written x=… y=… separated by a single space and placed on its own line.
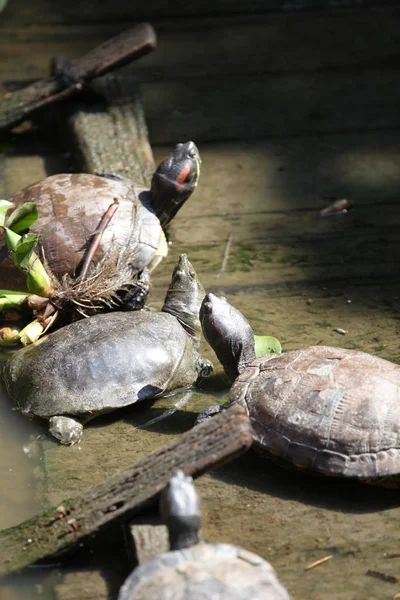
x=328 y=410
x=70 y=209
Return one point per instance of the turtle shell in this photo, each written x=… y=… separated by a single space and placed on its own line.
x=218 y=571
x=326 y=410
x=100 y=364
x=70 y=209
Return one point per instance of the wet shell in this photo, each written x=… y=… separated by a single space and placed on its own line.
x=100 y=364
x=326 y=410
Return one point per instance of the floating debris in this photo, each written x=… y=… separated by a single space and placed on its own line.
x=226 y=254
x=339 y=207
x=318 y=562
x=391 y=554
x=383 y=576
x=341 y=331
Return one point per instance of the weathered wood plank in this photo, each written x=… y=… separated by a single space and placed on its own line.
x=111 y=134
x=117 y=499
x=230 y=45
x=116 y=52
x=146 y=538
x=58 y=11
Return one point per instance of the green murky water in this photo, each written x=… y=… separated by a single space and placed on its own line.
x=295 y=276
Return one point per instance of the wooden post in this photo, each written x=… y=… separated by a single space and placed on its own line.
x=109 y=132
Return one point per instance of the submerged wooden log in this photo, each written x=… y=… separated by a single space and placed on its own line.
x=114 y=53
x=57 y=531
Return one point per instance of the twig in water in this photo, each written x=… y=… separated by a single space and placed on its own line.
x=226 y=254
x=383 y=576
x=318 y=562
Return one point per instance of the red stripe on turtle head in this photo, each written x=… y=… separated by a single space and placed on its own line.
x=186 y=169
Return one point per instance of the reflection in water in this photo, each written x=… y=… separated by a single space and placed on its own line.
x=21 y=486
x=18 y=463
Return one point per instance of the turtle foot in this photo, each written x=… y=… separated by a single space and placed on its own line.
x=135 y=298
x=205 y=368
x=67 y=430
x=208 y=413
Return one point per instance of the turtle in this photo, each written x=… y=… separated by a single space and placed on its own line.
x=71 y=206
x=321 y=410
x=111 y=360
x=194 y=570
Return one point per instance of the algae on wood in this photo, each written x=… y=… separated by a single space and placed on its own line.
x=117 y=499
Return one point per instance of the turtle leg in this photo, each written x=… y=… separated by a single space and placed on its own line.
x=135 y=298
x=208 y=413
x=66 y=429
x=204 y=367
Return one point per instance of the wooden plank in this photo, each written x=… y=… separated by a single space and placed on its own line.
x=58 y=11
x=146 y=538
x=241 y=44
x=110 y=134
x=116 y=52
x=117 y=499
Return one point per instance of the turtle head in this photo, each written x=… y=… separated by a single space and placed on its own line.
x=174 y=181
x=184 y=296
x=228 y=333
x=180 y=510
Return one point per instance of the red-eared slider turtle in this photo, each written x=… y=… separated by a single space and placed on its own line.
x=323 y=410
x=71 y=207
x=108 y=361
x=197 y=571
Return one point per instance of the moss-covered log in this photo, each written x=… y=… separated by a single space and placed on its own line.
x=57 y=531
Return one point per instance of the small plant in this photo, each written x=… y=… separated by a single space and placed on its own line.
x=21 y=246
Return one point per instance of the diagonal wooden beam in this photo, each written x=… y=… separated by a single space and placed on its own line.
x=57 y=531
x=112 y=54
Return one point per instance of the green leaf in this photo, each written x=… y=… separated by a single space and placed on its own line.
x=9 y=298
x=3 y=4
x=25 y=249
x=266 y=344
x=23 y=217
x=21 y=247
x=5 y=206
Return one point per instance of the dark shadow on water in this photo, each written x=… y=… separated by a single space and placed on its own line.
x=171 y=415
x=106 y=567
x=261 y=475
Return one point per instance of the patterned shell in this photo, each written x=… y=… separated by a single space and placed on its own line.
x=70 y=209
x=328 y=410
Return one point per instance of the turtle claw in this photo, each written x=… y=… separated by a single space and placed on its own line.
x=135 y=298
x=66 y=429
x=208 y=413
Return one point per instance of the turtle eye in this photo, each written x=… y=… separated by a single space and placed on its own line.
x=192 y=153
x=192 y=274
